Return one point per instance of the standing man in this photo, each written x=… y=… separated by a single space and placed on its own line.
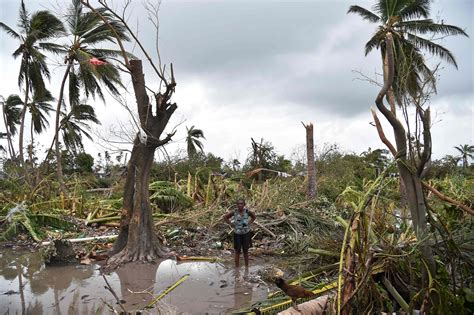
x=243 y=217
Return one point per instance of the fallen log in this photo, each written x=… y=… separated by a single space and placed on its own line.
x=85 y=239
x=315 y=307
x=265 y=229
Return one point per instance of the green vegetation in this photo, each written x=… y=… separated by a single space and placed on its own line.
x=361 y=237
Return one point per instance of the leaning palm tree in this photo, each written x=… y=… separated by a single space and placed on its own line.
x=85 y=66
x=35 y=30
x=466 y=151
x=75 y=124
x=12 y=118
x=193 y=142
x=399 y=36
x=39 y=109
x=408 y=21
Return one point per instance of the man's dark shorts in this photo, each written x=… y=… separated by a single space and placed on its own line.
x=242 y=242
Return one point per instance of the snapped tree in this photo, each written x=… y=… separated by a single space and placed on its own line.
x=311 y=166
x=137 y=240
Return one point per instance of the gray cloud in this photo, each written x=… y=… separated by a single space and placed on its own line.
x=270 y=50
x=291 y=60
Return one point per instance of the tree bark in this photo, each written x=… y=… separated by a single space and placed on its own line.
x=22 y=123
x=11 y=149
x=59 y=166
x=137 y=240
x=311 y=166
x=409 y=176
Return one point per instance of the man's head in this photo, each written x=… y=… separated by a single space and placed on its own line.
x=240 y=204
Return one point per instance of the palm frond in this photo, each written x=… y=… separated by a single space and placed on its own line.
x=167 y=194
x=104 y=53
x=432 y=48
x=52 y=47
x=40 y=107
x=375 y=40
x=415 y=9
x=23 y=18
x=364 y=13
x=102 y=33
x=84 y=112
x=12 y=112
x=74 y=87
x=199 y=144
x=47 y=25
x=428 y=26
x=10 y=31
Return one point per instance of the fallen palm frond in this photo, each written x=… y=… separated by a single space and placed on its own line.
x=322 y=252
x=168 y=197
x=356 y=264
x=32 y=223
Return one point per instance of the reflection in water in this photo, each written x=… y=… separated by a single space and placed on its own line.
x=137 y=283
x=35 y=289
x=242 y=289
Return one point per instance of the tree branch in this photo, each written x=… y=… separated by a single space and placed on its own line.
x=381 y=133
x=105 y=6
x=448 y=199
x=166 y=140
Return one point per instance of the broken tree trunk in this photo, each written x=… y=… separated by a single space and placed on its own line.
x=137 y=240
x=311 y=166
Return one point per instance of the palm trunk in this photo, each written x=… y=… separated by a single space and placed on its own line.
x=311 y=166
x=11 y=149
x=411 y=180
x=59 y=167
x=30 y=150
x=22 y=122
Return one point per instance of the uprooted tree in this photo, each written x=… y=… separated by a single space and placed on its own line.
x=137 y=240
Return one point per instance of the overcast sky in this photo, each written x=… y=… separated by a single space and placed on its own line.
x=259 y=68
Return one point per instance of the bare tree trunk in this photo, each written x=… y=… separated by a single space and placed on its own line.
x=137 y=240
x=311 y=166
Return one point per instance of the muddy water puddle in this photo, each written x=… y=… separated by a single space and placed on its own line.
x=27 y=286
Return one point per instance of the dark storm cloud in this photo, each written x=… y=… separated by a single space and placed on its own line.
x=237 y=48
